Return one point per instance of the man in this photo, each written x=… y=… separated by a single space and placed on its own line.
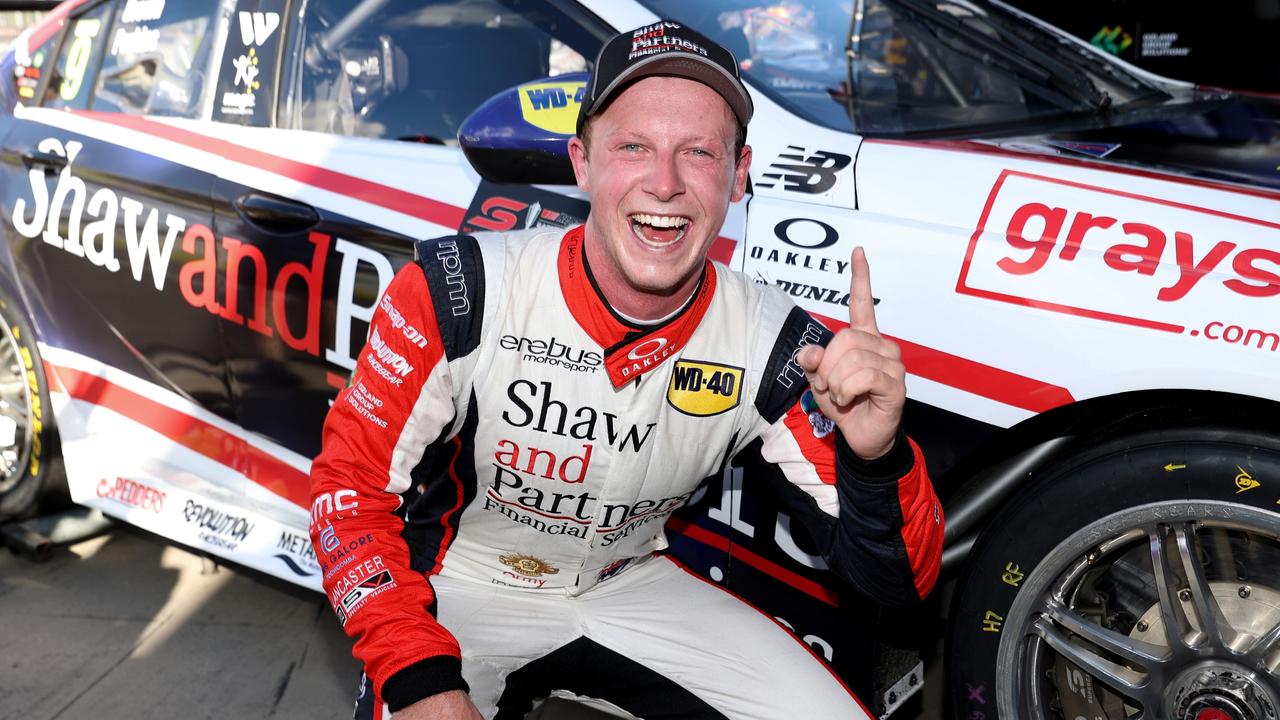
x=494 y=482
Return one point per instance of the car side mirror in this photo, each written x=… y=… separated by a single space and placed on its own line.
x=521 y=135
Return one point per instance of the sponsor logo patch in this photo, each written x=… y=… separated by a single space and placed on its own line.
x=528 y=565
x=822 y=425
x=362 y=593
x=216 y=526
x=132 y=493
x=799 y=170
x=703 y=389
x=501 y=207
x=552 y=106
x=1113 y=255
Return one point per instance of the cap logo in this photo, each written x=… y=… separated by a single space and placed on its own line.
x=654 y=39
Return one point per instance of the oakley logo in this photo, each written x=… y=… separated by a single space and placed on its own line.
x=647 y=349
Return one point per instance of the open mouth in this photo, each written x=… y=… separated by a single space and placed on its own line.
x=658 y=231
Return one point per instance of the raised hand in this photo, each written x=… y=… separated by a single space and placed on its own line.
x=859 y=380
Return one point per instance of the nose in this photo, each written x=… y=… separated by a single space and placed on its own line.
x=664 y=180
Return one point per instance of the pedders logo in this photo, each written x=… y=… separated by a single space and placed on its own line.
x=1117 y=256
x=133 y=493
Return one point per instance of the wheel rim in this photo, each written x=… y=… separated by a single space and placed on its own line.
x=1169 y=610
x=16 y=429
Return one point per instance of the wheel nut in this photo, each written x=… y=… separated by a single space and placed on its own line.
x=1092 y=557
x=1244 y=591
x=1184 y=595
x=1143 y=626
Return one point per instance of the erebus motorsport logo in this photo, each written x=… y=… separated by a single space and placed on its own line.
x=553 y=352
x=1121 y=257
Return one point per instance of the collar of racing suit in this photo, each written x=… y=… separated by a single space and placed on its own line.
x=630 y=350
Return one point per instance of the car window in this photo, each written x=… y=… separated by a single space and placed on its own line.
x=414 y=70
x=29 y=63
x=78 y=59
x=246 y=81
x=908 y=67
x=158 y=57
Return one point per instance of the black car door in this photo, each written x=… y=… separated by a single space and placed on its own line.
x=107 y=207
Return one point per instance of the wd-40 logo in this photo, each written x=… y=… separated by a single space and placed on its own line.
x=552 y=106
x=703 y=389
x=804 y=172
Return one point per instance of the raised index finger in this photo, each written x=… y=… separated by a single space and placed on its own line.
x=862 y=307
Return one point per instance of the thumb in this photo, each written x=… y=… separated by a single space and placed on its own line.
x=809 y=358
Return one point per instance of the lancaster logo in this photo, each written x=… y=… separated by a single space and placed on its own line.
x=703 y=389
x=1116 y=256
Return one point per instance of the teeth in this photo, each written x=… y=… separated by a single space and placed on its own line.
x=662 y=221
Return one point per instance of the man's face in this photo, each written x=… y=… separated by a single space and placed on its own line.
x=661 y=173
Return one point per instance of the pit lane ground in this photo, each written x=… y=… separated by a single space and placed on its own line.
x=126 y=626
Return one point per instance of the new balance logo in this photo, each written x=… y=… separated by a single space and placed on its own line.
x=800 y=171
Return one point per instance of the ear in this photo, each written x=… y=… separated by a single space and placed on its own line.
x=740 y=174
x=578 y=156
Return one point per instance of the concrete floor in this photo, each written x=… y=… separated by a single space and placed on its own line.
x=126 y=626
x=123 y=626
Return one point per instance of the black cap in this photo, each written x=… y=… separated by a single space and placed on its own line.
x=665 y=48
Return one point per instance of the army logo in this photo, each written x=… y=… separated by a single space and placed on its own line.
x=703 y=389
x=528 y=565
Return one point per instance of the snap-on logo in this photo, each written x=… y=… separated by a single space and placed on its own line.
x=1118 y=256
x=647 y=348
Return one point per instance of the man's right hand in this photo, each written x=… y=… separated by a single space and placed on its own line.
x=452 y=705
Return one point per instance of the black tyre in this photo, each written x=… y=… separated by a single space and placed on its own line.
x=1138 y=579
x=30 y=466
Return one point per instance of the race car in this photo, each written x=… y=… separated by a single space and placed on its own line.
x=202 y=200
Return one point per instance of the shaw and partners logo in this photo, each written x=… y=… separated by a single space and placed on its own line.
x=1121 y=257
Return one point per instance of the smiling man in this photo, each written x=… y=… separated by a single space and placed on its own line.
x=531 y=407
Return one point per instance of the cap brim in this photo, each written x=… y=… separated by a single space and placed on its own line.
x=685 y=65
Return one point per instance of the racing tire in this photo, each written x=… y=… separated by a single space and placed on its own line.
x=31 y=474
x=1087 y=594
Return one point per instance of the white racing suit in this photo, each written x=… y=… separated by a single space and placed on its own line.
x=495 y=480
